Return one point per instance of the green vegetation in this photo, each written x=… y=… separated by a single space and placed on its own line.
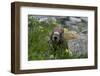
x=38 y=35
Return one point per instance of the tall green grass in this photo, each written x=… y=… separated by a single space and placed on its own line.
x=38 y=36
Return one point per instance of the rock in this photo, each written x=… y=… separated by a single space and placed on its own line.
x=43 y=19
x=78 y=46
x=69 y=35
x=75 y=19
x=84 y=19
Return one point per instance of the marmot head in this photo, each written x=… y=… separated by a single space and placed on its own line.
x=57 y=34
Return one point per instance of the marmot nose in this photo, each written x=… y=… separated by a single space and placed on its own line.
x=55 y=38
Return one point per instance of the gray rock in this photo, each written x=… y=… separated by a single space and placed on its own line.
x=84 y=19
x=75 y=19
x=78 y=46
